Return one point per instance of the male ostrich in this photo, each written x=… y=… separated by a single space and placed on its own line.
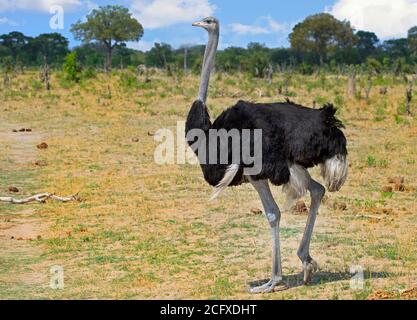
x=294 y=138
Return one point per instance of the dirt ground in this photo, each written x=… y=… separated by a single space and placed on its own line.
x=145 y=231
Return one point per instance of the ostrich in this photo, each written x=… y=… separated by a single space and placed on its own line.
x=294 y=139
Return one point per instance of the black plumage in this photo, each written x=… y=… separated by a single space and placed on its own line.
x=291 y=134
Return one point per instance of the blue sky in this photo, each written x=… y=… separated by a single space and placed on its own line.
x=264 y=21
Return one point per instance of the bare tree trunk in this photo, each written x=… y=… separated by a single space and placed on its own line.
x=368 y=87
x=109 y=58
x=409 y=96
x=185 y=60
x=45 y=74
x=270 y=73
x=351 y=90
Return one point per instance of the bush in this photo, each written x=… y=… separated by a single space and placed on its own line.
x=128 y=80
x=71 y=68
x=89 y=73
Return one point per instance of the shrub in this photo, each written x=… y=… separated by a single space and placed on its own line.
x=71 y=68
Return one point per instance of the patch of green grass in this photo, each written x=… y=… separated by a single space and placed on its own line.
x=385 y=251
x=387 y=195
x=222 y=288
x=371 y=161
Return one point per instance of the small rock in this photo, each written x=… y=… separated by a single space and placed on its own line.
x=383 y=91
x=151 y=134
x=387 y=189
x=339 y=206
x=256 y=211
x=42 y=145
x=14 y=130
x=300 y=207
x=41 y=163
x=13 y=189
x=135 y=139
x=28 y=130
x=22 y=130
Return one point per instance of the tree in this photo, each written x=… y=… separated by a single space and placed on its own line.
x=91 y=54
x=53 y=47
x=230 y=59
x=396 y=48
x=322 y=33
x=367 y=42
x=160 y=55
x=14 y=41
x=412 y=39
x=110 y=25
x=258 y=59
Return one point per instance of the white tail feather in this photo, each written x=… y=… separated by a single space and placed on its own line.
x=226 y=181
x=334 y=172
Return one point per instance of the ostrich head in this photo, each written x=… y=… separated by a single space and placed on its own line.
x=210 y=24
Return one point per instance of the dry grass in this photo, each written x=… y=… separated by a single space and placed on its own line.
x=147 y=231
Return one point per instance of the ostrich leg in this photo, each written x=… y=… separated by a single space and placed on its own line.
x=309 y=265
x=273 y=215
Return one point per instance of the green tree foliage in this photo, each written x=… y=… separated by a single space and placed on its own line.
x=50 y=47
x=335 y=42
x=396 y=48
x=91 y=54
x=231 y=59
x=258 y=59
x=160 y=56
x=366 y=43
x=110 y=25
x=71 y=67
x=15 y=42
x=322 y=34
x=412 y=39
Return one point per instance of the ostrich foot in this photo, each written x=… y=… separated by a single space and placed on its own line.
x=270 y=286
x=309 y=268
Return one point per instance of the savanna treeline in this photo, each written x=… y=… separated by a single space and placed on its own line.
x=319 y=42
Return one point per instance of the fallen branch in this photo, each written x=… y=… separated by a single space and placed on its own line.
x=41 y=198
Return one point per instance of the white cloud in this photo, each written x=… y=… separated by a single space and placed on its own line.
x=264 y=25
x=9 y=22
x=275 y=26
x=154 y=14
x=247 y=29
x=142 y=45
x=41 y=5
x=387 y=18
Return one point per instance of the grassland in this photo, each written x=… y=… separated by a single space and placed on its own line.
x=145 y=231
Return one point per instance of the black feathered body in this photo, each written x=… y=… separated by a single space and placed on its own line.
x=291 y=134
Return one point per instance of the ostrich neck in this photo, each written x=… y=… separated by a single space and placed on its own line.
x=208 y=64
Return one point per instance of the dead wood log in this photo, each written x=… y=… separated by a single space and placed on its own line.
x=41 y=198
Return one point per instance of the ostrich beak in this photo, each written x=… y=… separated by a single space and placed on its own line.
x=198 y=24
